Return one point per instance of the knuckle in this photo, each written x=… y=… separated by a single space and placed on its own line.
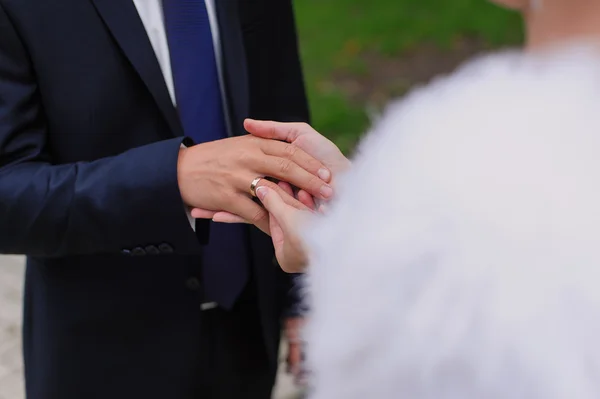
x=247 y=157
x=302 y=128
x=285 y=166
x=290 y=150
x=247 y=141
x=226 y=182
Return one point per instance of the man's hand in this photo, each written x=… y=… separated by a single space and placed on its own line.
x=216 y=176
x=301 y=136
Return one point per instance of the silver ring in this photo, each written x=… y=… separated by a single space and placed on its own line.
x=254 y=185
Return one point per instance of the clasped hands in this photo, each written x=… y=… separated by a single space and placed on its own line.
x=215 y=179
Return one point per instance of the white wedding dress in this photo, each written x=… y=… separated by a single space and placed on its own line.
x=462 y=257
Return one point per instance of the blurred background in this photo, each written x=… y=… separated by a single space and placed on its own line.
x=358 y=54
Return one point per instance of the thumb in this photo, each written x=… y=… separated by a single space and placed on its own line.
x=264 y=129
x=282 y=131
x=275 y=205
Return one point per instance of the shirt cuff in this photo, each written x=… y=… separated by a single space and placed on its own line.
x=190 y=218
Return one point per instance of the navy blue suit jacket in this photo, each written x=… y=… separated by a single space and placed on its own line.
x=89 y=142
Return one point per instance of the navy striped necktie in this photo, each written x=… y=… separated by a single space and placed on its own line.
x=200 y=107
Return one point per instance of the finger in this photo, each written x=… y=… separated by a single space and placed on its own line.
x=306 y=199
x=226 y=217
x=276 y=206
x=287 y=196
x=302 y=196
x=276 y=130
x=278 y=238
x=289 y=171
x=298 y=157
x=250 y=211
x=294 y=358
x=287 y=187
x=198 y=213
x=219 y=217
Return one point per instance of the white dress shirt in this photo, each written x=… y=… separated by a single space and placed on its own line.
x=151 y=14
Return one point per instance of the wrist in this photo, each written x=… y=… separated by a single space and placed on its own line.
x=182 y=167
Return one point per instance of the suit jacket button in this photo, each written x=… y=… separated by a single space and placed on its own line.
x=165 y=248
x=193 y=284
x=138 y=251
x=152 y=250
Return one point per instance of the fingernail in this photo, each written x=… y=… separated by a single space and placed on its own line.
x=261 y=193
x=326 y=191
x=324 y=174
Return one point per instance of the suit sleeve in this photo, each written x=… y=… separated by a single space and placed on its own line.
x=106 y=206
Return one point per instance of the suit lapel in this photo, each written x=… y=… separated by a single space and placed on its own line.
x=234 y=63
x=125 y=25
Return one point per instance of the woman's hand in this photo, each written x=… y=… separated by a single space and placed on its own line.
x=304 y=137
x=307 y=139
x=300 y=135
x=284 y=222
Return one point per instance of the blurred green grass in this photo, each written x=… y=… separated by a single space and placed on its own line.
x=336 y=34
